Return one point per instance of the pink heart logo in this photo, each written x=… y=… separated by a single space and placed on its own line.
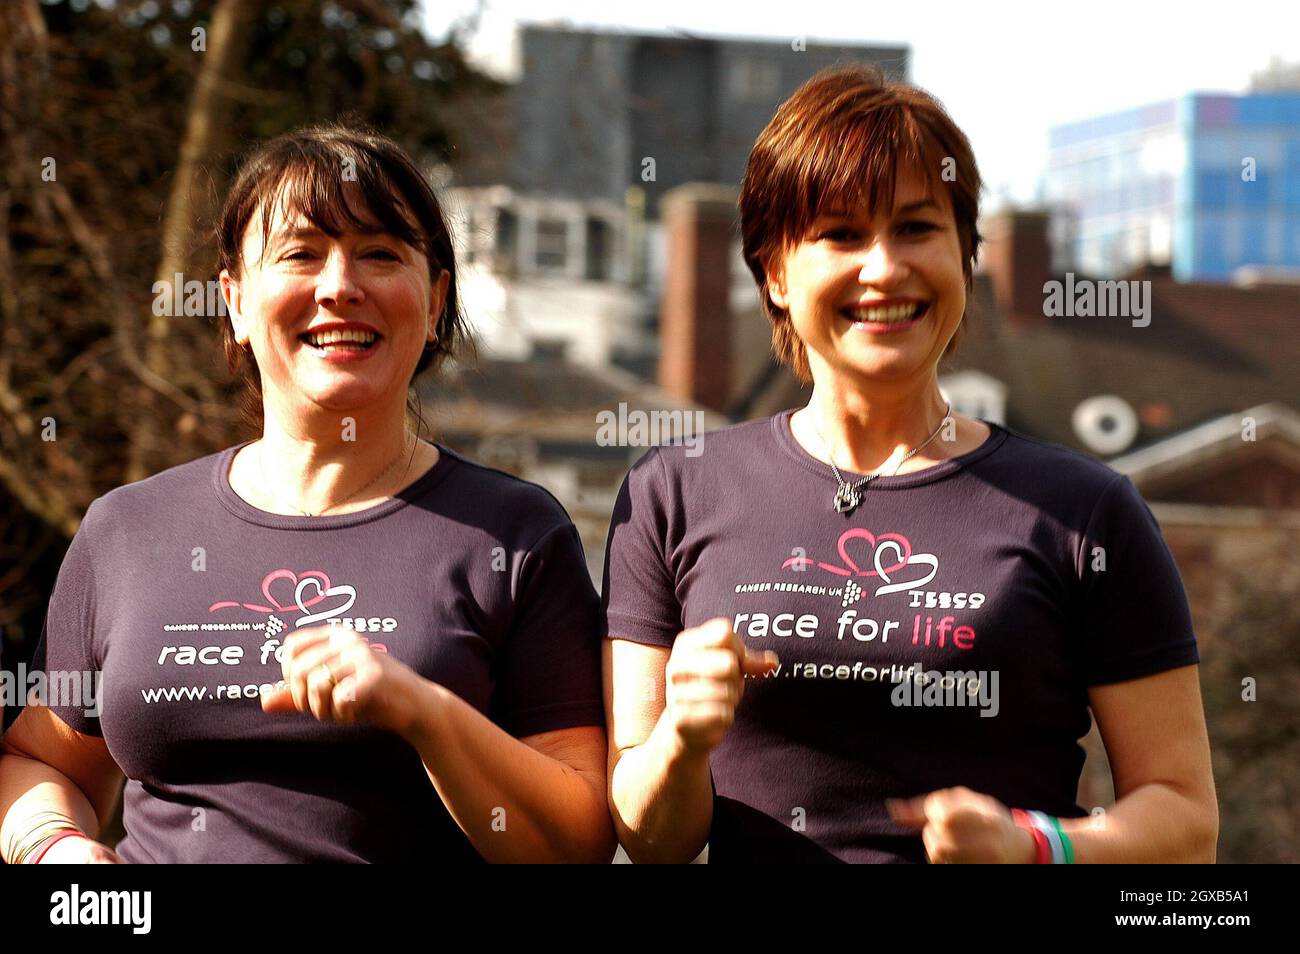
x=295 y=579
x=898 y=543
x=875 y=557
x=273 y=605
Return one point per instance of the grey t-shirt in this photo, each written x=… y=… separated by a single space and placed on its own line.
x=181 y=592
x=944 y=633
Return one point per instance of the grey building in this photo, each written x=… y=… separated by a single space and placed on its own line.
x=596 y=113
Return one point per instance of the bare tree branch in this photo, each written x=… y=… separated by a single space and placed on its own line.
x=224 y=48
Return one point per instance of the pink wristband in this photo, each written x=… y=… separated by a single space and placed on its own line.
x=70 y=833
x=1042 y=849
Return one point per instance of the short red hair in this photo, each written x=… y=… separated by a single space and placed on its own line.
x=839 y=139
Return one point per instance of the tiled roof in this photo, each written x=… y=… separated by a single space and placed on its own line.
x=1209 y=350
x=548 y=399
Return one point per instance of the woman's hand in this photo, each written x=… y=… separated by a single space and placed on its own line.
x=959 y=826
x=336 y=676
x=80 y=850
x=704 y=680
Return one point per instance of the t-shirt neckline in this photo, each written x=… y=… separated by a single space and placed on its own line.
x=241 y=508
x=793 y=449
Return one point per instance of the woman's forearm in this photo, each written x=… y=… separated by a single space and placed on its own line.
x=1153 y=823
x=662 y=799
x=35 y=802
x=515 y=804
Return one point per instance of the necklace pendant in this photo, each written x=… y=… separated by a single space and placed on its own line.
x=846 y=499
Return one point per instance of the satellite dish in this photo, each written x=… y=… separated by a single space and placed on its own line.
x=1105 y=423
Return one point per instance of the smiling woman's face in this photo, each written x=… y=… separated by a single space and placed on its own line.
x=876 y=296
x=357 y=285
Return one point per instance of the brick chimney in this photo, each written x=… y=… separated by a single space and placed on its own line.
x=695 y=318
x=1017 y=257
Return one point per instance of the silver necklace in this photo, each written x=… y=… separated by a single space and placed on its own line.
x=848 y=496
x=262 y=469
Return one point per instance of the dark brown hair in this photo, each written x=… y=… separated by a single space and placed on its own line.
x=340 y=177
x=839 y=139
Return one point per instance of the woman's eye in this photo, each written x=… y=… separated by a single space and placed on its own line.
x=302 y=255
x=838 y=235
x=918 y=227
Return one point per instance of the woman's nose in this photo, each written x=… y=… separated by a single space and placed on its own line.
x=336 y=284
x=881 y=265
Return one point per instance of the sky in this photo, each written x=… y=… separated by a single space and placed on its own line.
x=1007 y=70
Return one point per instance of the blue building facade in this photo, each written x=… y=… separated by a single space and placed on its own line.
x=1207 y=184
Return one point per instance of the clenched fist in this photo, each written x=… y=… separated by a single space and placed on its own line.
x=704 y=680
x=334 y=675
x=960 y=826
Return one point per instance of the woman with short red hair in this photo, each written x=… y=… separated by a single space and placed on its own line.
x=871 y=629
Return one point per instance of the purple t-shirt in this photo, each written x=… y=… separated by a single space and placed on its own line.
x=180 y=592
x=944 y=633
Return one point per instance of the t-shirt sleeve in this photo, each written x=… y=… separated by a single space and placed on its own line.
x=550 y=673
x=65 y=655
x=1134 y=613
x=639 y=595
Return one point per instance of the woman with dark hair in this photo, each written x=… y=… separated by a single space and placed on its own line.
x=874 y=628
x=432 y=619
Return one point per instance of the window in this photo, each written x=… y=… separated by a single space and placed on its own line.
x=507 y=235
x=1212 y=188
x=552 y=244
x=753 y=80
x=598 y=252
x=548 y=349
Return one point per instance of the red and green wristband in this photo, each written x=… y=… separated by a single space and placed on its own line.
x=1051 y=844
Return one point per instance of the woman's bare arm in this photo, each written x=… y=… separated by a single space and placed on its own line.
x=536 y=799
x=1159 y=752
x=660 y=794
x=52 y=776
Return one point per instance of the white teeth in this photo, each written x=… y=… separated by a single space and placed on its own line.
x=894 y=313
x=322 y=338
